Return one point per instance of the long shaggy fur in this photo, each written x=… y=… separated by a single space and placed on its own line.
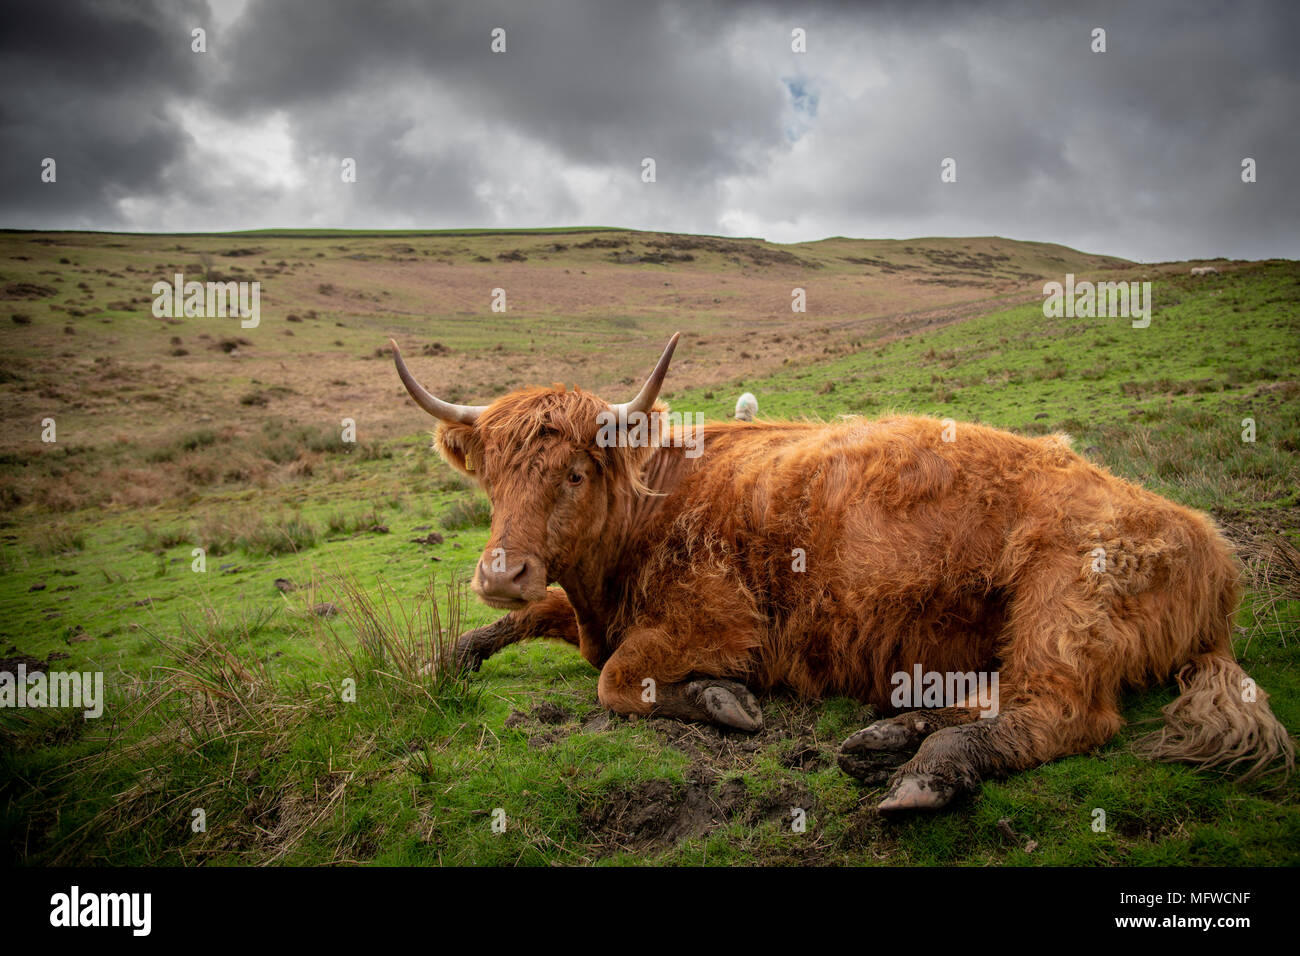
x=976 y=553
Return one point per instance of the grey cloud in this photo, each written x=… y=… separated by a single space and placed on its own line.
x=91 y=86
x=1133 y=152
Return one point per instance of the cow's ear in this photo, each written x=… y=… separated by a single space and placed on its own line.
x=460 y=447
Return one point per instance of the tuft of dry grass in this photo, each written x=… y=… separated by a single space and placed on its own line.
x=211 y=721
x=467 y=512
x=1272 y=569
x=210 y=690
x=60 y=539
x=275 y=535
x=405 y=645
x=220 y=686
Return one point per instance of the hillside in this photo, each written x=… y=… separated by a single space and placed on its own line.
x=589 y=308
x=224 y=686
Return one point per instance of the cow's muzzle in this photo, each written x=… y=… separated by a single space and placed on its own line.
x=509 y=582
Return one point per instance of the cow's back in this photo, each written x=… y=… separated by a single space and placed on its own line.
x=863 y=547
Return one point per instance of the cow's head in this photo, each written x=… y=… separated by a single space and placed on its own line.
x=545 y=459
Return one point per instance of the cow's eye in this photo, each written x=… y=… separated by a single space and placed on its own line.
x=575 y=477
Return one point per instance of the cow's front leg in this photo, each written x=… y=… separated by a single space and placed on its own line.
x=551 y=617
x=646 y=676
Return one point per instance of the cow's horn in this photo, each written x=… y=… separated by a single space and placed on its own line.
x=645 y=398
x=435 y=406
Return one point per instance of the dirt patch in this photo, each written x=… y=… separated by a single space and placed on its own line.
x=31 y=664
x=788 y=731
x=543 y=724
x=547 y=713
x=28 y=290
x=543 y=713
x=658 y=814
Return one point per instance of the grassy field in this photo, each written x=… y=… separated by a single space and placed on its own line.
x=281 y=691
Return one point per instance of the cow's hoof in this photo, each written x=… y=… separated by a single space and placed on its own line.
x=918 y=791
x=468 y=653
x=455 y=662
x=729 y=704
x=876 y=751
x=886 y=735
x=872 y=767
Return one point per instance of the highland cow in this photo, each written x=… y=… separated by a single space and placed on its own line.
x=830 y=558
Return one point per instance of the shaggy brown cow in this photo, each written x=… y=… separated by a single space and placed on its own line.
x=830 y=558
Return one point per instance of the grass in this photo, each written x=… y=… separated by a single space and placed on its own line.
x=282 y=690
x=467 y=513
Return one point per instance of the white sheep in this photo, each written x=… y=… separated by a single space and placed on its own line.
x=746 y=407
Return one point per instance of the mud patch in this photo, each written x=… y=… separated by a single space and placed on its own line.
x=543 y=725
x=781 y=804
x=543 y=713
x=31 y=665
x=789 y=731
x=657 y=814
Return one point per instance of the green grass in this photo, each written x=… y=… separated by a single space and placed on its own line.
x=229 y=693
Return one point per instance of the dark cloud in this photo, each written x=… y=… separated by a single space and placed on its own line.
x=93 y=86
x=1133 y=152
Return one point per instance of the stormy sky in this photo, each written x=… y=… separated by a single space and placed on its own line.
x=1135 y=152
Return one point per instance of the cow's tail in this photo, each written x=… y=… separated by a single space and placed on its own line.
x=1221 y=719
